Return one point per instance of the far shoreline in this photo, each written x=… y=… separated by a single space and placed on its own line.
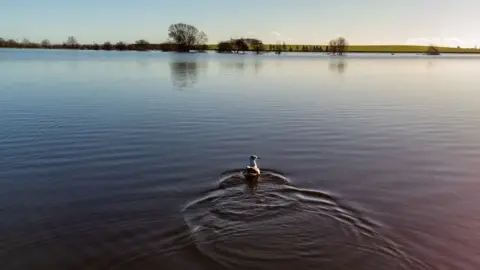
x=449 y=50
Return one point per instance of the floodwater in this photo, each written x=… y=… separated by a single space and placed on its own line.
x=127 y=160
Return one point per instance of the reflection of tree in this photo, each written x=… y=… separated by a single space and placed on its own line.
x=338 y=66
x=257 y=65
x=144 y=62
x=241 y=65
x=238 y=65
x=430 y=64
x=184 y=73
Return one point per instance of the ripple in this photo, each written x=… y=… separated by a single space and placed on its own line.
x=267 y=222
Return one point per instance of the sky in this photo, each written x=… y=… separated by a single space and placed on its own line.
x=422 y=22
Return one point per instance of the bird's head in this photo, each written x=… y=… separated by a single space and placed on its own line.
x=254 y=157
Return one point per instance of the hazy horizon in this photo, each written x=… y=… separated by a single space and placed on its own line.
x=423 y=22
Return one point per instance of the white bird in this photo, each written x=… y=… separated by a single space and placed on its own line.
x=252 y=169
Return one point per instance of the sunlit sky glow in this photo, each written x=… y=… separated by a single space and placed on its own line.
x=423 y=22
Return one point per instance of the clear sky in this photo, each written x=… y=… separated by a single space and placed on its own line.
x=439 y=22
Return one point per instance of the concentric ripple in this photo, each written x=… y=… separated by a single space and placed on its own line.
x=263 y=223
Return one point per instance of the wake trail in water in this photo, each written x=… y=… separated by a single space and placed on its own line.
x=250 y=223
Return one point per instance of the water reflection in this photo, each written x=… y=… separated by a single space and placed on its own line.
x=251 y=182
x=185 y=71
x=144 y=62
x=431 y=64
x=241 y=65
x=238 y=65
x=338 y=66
x=257 y=65
x=184 y=74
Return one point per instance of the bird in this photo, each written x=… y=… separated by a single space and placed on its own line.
x=252 y=168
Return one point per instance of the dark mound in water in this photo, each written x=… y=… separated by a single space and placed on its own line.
x=249 y=223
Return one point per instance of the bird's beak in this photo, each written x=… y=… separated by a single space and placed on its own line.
x=258 y=157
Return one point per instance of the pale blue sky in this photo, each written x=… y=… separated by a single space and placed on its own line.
x=442 y=22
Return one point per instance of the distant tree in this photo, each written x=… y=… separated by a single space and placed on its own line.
x=3 y=42
x=120 y=46
x=11 y=43
x=342 y=45
x=28 y=44
x=241 y=45
x=225 y=47
x=95 y=47
x=432 y=50
x=258 y=46
x=46 y=44
x=107 y=46
x=25 y=43
x=284 y=46
x=338 y=46
x=332 y=45
x=71 y=42
x=186 y=36
x=141 y=45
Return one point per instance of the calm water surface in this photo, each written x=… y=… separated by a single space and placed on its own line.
x=132 y=161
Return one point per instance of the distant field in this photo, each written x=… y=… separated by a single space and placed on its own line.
x=371 y=48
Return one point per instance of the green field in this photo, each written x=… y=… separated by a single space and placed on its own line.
x=371 y=48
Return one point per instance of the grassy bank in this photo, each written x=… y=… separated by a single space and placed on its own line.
x=407 y=49
x=365 y=48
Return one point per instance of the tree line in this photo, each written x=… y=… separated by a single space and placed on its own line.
x=336 y=46
x=182 y=38
x=72 y=44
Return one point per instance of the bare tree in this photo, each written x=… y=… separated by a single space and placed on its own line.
x=186 y=36
x=342 y=45
x=71 y=41
x=332 y=46
x=338 y=46
x=46 y=43
x=26 y=43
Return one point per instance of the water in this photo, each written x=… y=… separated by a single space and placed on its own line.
x=126 y=160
